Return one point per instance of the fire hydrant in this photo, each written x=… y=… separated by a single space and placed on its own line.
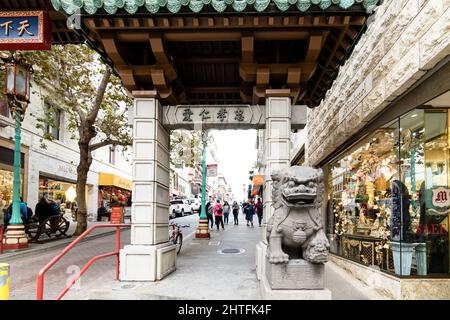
x=4 y=281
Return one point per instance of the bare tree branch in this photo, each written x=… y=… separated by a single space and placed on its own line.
x=99 y=97
x=107 y=142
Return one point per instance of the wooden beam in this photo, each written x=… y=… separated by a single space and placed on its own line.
x=128 y=79
x=262 y=76
x=134 y=22
x=206 y=60
x=157 y=46
x=120 y=23
x=248 y=71
x=314 y=48
x=221 y=89
x=159 y=82
x=110 y=46
x=149 y=23
x=247 y=43
x=294 y=76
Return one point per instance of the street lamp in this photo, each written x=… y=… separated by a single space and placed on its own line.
x=202 y=231
x=17 y=90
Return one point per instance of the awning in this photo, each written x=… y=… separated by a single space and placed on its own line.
x=109 y=179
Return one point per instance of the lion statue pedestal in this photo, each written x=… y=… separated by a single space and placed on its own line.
x=297 y=246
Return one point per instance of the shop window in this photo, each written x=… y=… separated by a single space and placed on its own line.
x=112 y=154
x=389 y=199
x=53 y=128
x=360 y=198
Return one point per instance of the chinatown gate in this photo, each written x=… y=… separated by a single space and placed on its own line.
x=193 y=64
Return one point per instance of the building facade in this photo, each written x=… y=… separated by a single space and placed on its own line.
x=51 y=170
x=382 y=136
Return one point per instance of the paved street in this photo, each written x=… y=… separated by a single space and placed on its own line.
x=204 y=272
x=25 y=266
x=201 y=267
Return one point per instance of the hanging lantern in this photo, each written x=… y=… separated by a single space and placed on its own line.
x=17 y=80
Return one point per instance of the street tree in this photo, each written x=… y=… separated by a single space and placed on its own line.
x=74 y=79
x=186 y=148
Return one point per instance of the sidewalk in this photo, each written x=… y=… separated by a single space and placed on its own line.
x=35 y=248
x=205 y=272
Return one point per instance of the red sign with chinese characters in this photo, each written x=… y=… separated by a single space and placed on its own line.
x=116 y=215
x=25 y=30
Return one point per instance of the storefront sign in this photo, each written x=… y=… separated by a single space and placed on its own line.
x=116 y=215
x=25 y=30
x=66 y=170
x=211 y=170
x=356 y=97
x=109 y=179
x=438 y=201
x=258 y=180
x=441 y=197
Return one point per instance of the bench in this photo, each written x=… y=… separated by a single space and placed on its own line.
x=54 y=226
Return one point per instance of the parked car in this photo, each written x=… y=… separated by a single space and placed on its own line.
x=196 y=202
x=178 y=208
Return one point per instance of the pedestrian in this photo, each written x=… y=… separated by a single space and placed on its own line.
x=218 y=214
x=226 y=211
x=23 y=213
x=42 y=210
x=236 y=212
x=259 y=210
x=210 y=213
x=250 y=211
x=54 y=208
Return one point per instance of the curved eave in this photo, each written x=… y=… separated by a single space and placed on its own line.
x=197 y=6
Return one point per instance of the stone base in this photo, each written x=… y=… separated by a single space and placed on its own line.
x=294 y=275
x=202 y=231
x=15 y=238
x=261 y=249
x=147 y=263
x=267 y=293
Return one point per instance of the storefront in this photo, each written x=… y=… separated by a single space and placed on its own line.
x=62 y=192
x=389 y=195
x=7 y=173
x=113 y=191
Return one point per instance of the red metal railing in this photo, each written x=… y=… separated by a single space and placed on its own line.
x=40 y=278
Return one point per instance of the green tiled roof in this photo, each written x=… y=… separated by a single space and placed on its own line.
x=174 y=6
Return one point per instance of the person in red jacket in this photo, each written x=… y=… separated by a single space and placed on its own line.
x=218 y=215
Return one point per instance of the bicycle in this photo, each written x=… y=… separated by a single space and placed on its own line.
x=176 y=235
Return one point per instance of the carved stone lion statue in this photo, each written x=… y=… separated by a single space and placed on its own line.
x=295 y=230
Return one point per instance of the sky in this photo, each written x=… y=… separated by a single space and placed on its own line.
x=236 y=150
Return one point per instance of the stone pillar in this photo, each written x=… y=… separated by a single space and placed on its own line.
x=277 y=141
x=150 y=256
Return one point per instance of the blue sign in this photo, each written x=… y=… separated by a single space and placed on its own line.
x=25 y=30
x=19 y=28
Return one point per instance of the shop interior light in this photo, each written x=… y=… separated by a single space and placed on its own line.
x=71 y=194
x=414 y=115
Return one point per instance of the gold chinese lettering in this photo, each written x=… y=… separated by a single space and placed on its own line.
x=7 y=26
x=23 y=28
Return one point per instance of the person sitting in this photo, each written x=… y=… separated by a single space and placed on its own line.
x=42 y=210
x=54 y=208
x=23 y=213
x=102 y=212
